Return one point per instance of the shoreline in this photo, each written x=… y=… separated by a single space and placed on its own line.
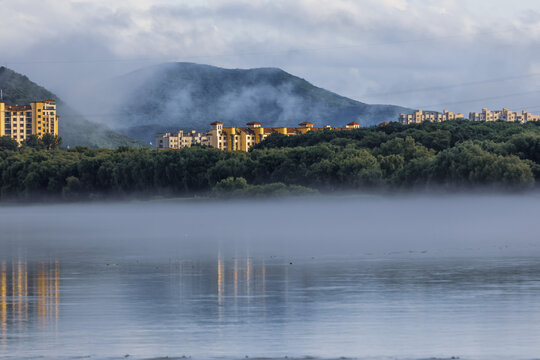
x=328 y=196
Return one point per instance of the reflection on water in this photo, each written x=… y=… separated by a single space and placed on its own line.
x=3 y=300
x=365 y=278
x=48 y=291
x=28 y=296
x=231 y=306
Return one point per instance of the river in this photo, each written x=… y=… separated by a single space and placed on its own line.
x=412 y=277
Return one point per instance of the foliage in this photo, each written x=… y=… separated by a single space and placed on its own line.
x=238 y=187
x=7 y=143
x=450 y=155
x=231 y=184
x=46 y=142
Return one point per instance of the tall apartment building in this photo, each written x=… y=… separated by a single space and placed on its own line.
x=181 y=140
x=20 y=121
x=420 y=116
x=503 y=115
x=243 y=138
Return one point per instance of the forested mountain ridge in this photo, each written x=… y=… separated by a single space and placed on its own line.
x=74 y=128
x=190 y=96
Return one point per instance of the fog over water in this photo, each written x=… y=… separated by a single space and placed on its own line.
x=341 y=226
x=410 y=277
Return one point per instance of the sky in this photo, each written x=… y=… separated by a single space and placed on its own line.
x=460 y=55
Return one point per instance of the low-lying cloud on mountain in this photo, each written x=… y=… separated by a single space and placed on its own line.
x=186 y=95
x=74 y=128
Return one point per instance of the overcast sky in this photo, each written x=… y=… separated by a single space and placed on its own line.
x=455 y=54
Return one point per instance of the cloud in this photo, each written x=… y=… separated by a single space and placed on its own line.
x=356 y=48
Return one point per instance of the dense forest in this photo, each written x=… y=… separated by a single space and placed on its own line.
x=451 y=155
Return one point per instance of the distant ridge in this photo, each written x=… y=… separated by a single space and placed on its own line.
x=74 y=129
x=187 y=95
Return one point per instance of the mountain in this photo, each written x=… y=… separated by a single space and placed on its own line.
x=74 y=128
x=191 y=96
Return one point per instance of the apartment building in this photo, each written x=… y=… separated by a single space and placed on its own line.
x=244 y=138
x=181 y=140
x=503 y=115
x=236 y=138
x=420 y=116
x=20 y=121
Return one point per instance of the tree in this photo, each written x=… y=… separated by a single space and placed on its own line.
x=467 y=164
x=50 y=141
x=73 y=187
x=33 y=142
x=7 y=143
x=231 y=184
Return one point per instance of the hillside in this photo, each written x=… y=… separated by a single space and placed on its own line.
x=74 y=129
x=186 y=95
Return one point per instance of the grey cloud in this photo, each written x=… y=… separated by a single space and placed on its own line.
x=390 y=46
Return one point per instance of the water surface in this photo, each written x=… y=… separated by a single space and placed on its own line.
x=405 y=278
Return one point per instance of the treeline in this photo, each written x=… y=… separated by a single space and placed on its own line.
x=447 y=155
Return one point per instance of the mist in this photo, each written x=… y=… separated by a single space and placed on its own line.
x=174 y=96
x=364 y=227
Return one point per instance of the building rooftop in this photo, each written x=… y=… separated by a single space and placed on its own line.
x=18 y=107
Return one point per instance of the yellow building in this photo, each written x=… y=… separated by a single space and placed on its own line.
x=236 y=138
x=20 y=121
x=244 y=138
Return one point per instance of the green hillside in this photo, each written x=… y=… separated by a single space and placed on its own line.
x=74 y=128
x=191 y=96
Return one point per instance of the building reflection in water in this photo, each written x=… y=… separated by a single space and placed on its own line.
x=221 y=278
x=235 y=278
x=19 y=285
x=3 y=300
x=241 y=280
x=48 y=291
x=248 y=276
x=28 y=294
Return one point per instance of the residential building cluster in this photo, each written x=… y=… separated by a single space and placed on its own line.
x=181 y=140
x=235 y=138
x=503 y=115
x=20 y=121
x=420 y=116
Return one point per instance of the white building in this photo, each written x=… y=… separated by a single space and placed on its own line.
x=181 y=140
x=503 y=115
x=420 y=116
